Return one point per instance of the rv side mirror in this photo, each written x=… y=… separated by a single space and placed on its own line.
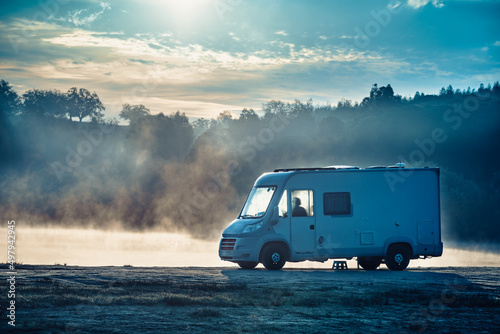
x=276 y=215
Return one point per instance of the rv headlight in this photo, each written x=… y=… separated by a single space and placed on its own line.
x=253 y=227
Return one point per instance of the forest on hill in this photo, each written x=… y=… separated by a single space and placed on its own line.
x=62 y=162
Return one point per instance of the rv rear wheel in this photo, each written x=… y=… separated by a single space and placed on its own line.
x=248 y=264
x=397 y=257
x=274 y=257
x=369 y=262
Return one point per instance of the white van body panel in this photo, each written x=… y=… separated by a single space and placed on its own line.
x=387 y=205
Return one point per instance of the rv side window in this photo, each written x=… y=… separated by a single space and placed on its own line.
x=302 y=203
x=337 y=204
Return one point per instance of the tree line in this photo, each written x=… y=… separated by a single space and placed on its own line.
x=81 y=104
x=63 y=162
x=75 y=103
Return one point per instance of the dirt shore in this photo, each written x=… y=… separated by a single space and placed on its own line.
x=70 y=299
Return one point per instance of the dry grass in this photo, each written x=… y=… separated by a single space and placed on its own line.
x=48 y=292
x=200 y=304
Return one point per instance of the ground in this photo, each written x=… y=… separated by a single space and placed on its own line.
x=71 y=299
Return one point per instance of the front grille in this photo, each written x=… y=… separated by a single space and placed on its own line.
x=227 y=244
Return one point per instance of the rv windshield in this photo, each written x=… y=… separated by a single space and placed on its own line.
x=257 y=202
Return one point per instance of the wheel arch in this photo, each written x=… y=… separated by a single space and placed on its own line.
x=276 y=242
x=401 y=242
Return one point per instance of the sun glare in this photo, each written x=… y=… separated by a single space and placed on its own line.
x=186 y=11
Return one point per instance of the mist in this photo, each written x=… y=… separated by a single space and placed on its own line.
x=171 y=174
x=54 y=245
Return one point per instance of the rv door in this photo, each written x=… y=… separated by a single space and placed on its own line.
x=303 y=221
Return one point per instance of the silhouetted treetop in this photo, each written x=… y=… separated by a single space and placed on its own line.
x=45 y=103
x=383 y=94
x=133 y=112
x=225 y=116
x=496 y=89
x=9 y=100
x=248 y=115
x=82 y=104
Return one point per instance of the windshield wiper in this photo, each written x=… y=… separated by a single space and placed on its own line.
x=248 y=216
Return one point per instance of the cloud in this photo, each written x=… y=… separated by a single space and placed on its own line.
x=233 y=36
x=207 y=77
x=142 y=61
x=422 y=3
x=167 y=50
x=394 y=5
x=83 y=18
x=91 y=39
x=228 y=65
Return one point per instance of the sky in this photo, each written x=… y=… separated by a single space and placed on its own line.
x=205 y=56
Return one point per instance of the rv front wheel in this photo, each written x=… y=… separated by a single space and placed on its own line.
x=274 y=257
x=397 y=257
x=248 y=264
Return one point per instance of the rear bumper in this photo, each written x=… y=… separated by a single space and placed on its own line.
x=239 y=249
x=425 y=250
x=438 y=251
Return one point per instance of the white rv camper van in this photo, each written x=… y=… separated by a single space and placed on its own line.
x=377 y=215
